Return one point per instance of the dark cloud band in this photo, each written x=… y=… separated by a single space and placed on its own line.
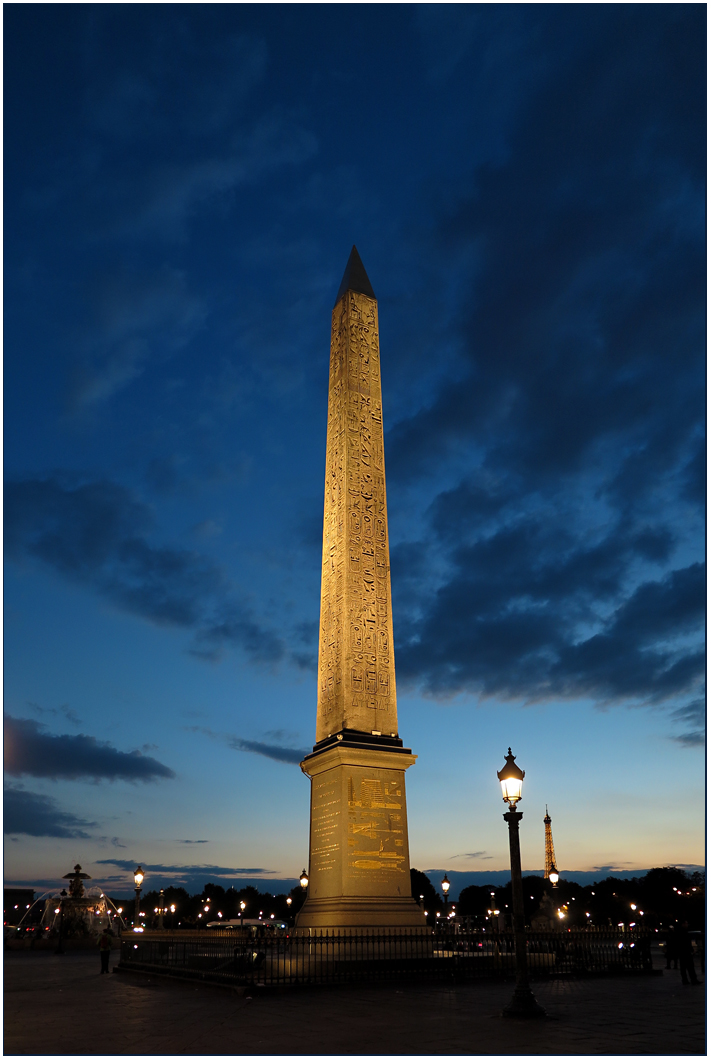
x=31 y=752
x=96 y=534
x=277 y=752
x=27 y=813
x=210 y=870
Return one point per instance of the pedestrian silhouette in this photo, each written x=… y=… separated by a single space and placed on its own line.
x=104 y=950
x=685 y=951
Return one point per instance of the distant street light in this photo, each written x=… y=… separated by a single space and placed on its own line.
x=161 y=909
x=523 y=1003
x=62 y=896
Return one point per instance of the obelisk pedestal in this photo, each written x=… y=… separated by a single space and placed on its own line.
x=359 y=865
x=359 y=860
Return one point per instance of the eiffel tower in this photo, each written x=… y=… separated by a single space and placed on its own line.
x=550 y=866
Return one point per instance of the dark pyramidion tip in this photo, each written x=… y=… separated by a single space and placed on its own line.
x=355 y=278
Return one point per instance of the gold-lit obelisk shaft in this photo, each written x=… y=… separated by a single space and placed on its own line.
x=356 y=669
x=359 y=862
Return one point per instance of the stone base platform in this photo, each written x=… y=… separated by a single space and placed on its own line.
x=345 y=914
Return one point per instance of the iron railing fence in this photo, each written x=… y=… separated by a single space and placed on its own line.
x=237 y=958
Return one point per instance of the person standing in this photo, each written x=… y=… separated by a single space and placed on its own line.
x=104 y=950
x=685 y=951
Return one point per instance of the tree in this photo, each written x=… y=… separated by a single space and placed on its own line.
x=420 y=885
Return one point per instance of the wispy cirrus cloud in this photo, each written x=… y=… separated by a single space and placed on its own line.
x=139 y=318
x=482 y=854
x=65 y=711
x=30 y=751
x=277 y=752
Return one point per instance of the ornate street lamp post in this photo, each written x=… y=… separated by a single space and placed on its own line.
x=304 y=879
x=523 y=1003
x=138 y=880
x=445 y=891
x=161 y=909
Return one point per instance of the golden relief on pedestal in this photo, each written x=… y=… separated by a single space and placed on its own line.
x=356 y=671
x=375 y=833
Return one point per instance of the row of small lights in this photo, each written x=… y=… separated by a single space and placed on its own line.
x=139 y=877
x=511 y=784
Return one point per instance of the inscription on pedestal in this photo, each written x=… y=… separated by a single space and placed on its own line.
x=325 y=823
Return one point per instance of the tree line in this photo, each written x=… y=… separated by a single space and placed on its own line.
x=655 y=900
x=213 y=903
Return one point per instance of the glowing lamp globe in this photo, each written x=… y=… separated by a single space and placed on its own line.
x=511 y=779
x=553 y=876
x=138 y=876
x=304 y=879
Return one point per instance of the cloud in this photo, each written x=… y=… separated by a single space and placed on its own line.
x=64 y=710
x=692 y=739
x=559 y=471
x=200 y=138
x=192 y=841
x=692 y=713
x=132 y=102
x=96 y=534
x=171 y=189
x=138 y=318
x=476 y=854
x=27 y=813
x=29 y=751
x=211 y=870
x=277 y=752
x=597 y=238
x=519 y=616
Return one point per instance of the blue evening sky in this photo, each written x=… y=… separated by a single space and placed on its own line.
x=183 y=184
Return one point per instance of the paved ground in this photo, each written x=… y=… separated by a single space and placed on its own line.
x=61 y=1006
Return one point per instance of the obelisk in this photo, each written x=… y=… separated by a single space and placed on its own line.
x=359 y=864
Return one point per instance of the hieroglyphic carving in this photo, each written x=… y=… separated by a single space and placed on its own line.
x=356 y=686
x=376 y=826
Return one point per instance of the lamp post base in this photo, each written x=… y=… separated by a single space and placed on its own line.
x=523 y=1005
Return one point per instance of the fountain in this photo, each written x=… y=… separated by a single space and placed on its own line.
x=81 y=913
x=77 y=917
